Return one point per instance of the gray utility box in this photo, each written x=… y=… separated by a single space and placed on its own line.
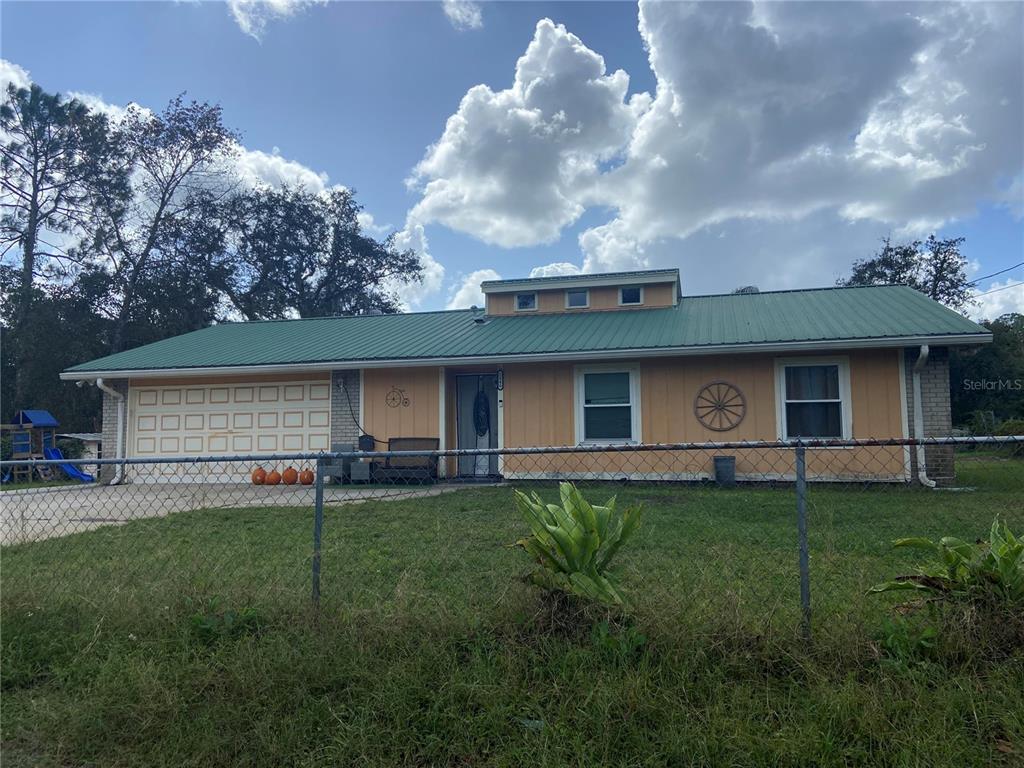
x=359 y=471
x=725 y=471
x=338 y=470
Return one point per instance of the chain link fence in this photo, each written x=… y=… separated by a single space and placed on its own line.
x=738 y=539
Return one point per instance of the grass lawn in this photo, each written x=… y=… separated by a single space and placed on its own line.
x=188 y=640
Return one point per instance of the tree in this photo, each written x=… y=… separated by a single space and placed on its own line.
x=177 y=163
x=64 y=330
x=56 y=157
x=294 y=252
x=990 y=378
x=934 y=267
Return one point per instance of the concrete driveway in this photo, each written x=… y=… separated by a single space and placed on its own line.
x=32 y=514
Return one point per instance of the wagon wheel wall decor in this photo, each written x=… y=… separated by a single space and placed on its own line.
x=720 y=406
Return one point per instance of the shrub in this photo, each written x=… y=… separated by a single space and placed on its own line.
x=989 y=571
x=574 y=543
x=974 y=595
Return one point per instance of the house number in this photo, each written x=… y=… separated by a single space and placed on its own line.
x=396 y=397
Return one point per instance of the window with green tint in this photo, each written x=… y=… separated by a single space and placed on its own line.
x=575 y=298
x=607 y=407
x=813 y=402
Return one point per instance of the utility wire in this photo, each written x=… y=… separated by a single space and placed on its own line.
x=986 y=277
x=997 y=290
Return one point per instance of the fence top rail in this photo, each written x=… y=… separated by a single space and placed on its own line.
x=736 y=445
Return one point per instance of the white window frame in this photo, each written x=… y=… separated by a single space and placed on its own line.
x=515 y=301
x=584 y=291
x=631 y=303
x=636 y=419
x=845 y=400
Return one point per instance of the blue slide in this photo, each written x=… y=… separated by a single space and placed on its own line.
x=54 y=454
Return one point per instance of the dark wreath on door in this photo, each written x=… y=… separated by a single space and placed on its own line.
x=720 y=406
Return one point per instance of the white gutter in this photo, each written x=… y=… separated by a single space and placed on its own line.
x=539 y=357
x=119 y=451
x=922 y=470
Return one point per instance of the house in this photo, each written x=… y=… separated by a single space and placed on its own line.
x=607 y=358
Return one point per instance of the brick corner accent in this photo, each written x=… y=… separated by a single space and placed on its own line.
x=936 y=413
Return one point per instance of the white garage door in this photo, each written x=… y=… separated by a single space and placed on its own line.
x=248 y=418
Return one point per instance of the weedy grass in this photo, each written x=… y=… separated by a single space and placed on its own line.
x=189 y=640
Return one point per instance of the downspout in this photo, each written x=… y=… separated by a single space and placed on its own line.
x=922 y=470
x=119 y=450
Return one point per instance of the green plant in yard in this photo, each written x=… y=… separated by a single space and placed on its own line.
x=963 y=572
x=574 y=543
x=212 y=622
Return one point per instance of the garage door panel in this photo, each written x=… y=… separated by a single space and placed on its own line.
x=259 y=418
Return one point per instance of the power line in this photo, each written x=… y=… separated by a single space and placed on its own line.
x=996 y=290
x=986 y=277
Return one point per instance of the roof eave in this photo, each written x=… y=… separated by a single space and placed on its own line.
x=600 y=354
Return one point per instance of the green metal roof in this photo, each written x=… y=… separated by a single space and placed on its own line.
x=772 y=318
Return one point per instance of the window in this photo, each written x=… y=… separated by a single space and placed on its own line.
x=814 y=399
x=607 y=405
x=526 y=301
x=576 y=298
x=631 y=294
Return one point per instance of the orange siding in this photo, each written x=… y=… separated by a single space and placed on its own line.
x=601 y=298
x=540 y=410
x=420 y=417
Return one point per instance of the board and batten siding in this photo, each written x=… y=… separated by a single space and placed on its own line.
x=540 y=410
x=401 y=402
x=601 y=297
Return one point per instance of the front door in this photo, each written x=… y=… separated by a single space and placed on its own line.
x=476 y=412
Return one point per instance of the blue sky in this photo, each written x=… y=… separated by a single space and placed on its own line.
x=714 y=150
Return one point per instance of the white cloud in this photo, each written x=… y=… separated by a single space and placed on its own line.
x=252 y=16
x=11 y=73
x=414 y=294
x=555 y=269
x=1006 y=299
x=257 y=167
x=801 y=123
x=463 y=14
x=468 y=293
x=511 y=166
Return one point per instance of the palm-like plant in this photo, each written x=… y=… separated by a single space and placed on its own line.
x=962 y=571
x=574 y=543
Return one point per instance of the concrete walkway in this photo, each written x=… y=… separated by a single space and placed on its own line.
x=32 y=514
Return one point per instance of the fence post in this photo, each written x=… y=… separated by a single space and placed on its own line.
x=318 y=528
x=801 y=530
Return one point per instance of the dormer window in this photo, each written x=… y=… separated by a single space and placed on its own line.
x=631 y=295
x=526 y=302
x=577 y=298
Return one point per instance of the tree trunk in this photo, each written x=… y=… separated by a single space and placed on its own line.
x=23 y=314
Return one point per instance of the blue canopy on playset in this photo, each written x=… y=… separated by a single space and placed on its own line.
x=35 y=419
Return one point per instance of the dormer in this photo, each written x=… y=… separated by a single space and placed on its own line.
x=583 y=293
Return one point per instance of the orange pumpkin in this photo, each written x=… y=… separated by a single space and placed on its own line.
x=259 y=476
x=273 y=478
x=306 y=477
x=290 y=476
